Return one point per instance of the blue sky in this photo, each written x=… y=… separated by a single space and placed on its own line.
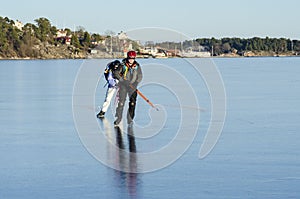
x=196 y=19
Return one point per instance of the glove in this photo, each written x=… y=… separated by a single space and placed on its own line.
x=111 y=83
x=111 y=80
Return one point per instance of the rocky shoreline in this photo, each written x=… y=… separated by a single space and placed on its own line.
x=46 y=51
x=64 y=52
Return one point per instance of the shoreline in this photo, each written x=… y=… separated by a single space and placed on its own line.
x=83 y=58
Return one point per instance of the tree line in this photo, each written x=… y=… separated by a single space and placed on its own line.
x=256 y=44
x=237 y=45
x=25 y=42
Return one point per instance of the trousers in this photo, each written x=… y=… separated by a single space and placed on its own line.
x=125 y=91
x=108 y=97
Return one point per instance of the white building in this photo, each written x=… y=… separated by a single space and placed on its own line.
x=19 y=25
x=122 y=35
x=61 y=33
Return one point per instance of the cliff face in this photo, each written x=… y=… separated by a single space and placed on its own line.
x=267 y=54
x=46 y=51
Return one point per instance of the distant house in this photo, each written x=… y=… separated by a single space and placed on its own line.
x=95 y=42
x=19 y=25
x=61 y=33
x=154 y=51
x=93 y=51
x=61 y=36
x=68 y=40
x=122 y=35
x=193 y=52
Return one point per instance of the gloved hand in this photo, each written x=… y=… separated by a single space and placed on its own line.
x=111 y=82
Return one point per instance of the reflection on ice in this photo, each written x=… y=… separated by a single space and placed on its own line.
x=123 y=156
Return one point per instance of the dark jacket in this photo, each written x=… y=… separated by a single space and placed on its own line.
x=115 y=68
x=131 y=74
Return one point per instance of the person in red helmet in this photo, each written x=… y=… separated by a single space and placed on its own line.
x=132 y=75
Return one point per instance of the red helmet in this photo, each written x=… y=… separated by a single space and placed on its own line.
x=131 y=54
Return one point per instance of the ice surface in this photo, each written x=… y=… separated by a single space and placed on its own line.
x=257 y=155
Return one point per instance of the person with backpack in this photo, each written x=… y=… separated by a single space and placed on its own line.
x=132 y=75
x=112 y=76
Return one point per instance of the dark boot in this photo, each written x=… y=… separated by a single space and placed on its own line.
x=117 y=121
x=101 y=114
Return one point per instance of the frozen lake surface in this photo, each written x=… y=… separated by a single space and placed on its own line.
x=44 y=156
